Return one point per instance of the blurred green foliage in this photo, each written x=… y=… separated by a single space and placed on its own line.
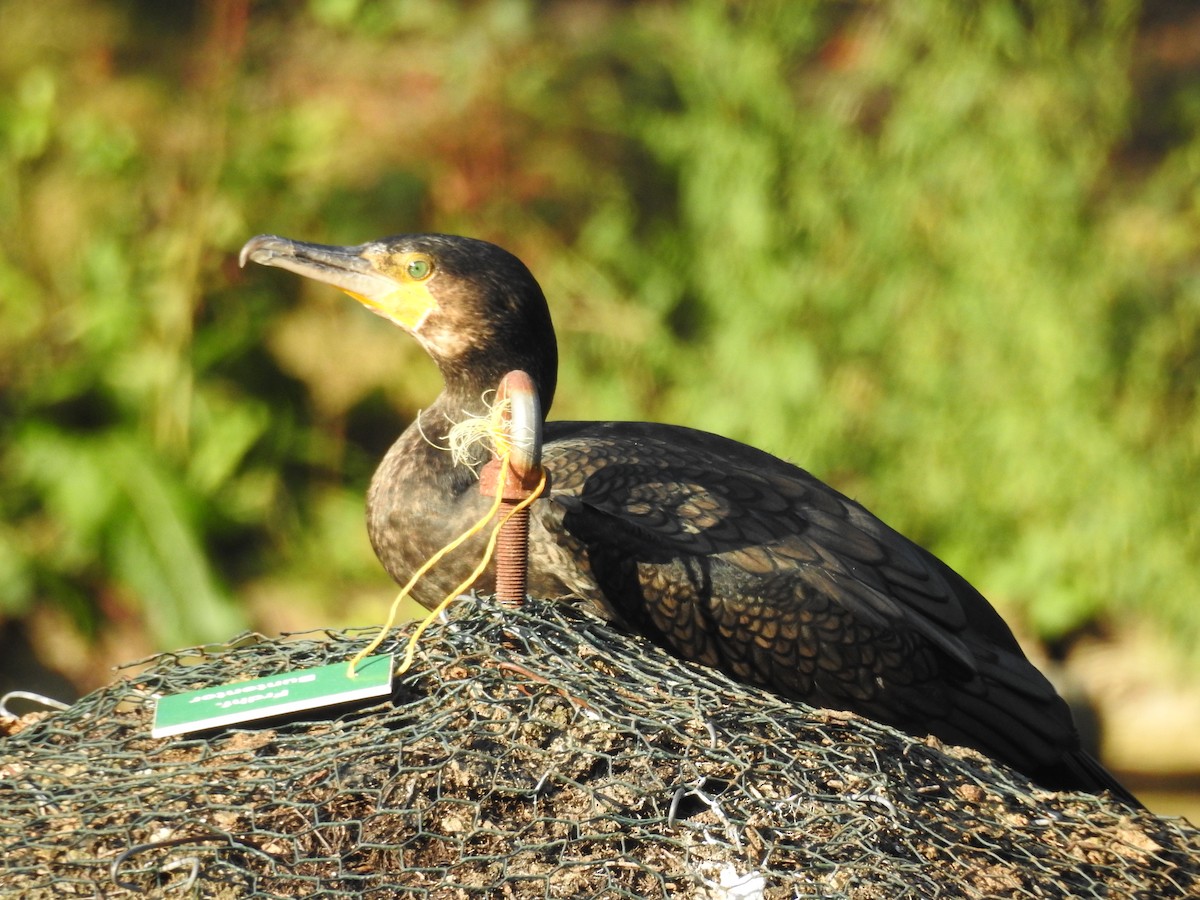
x=945 y=256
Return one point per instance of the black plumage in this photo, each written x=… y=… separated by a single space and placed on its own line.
x=719 y=552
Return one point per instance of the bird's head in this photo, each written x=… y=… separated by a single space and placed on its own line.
x=473 y=306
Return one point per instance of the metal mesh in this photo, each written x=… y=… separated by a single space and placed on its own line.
x=541 y=753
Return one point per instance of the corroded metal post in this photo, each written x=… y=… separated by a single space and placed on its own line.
x=523 y=424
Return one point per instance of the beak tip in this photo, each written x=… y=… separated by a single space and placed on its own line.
x=264 y=249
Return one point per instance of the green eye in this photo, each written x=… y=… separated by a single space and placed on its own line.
x=418 y=269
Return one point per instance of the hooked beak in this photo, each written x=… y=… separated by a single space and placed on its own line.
x=354 y=270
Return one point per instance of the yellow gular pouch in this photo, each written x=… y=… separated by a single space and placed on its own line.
x=408 y=305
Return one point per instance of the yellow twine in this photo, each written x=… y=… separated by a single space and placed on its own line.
x=410 y=649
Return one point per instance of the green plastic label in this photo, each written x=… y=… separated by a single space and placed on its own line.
x=275 y=695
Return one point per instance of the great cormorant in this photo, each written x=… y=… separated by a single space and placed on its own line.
x=719 y=552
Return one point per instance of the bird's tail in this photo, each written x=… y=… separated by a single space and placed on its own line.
x=1079 y=770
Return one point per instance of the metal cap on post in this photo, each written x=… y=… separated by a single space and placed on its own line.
x=522 y=417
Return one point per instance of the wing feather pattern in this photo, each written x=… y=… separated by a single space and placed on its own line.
x=734 y=558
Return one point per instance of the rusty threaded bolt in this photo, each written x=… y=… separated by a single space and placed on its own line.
x=524 y=423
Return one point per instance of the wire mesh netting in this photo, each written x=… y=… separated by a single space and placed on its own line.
x=540 y=753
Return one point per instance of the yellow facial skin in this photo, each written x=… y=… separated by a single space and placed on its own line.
x=409 y=301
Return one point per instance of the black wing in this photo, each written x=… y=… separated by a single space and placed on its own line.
x=736 y=559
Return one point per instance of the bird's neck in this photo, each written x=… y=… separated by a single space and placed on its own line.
x=425 y=444
x=415 y=498
x=471 y=383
